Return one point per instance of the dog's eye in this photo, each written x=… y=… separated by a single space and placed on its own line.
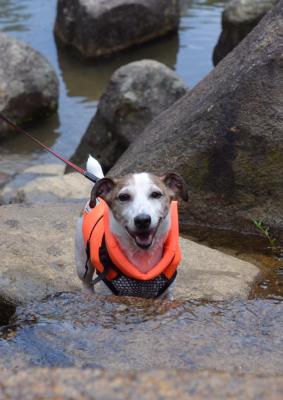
x=124 y=197
x=156 y=195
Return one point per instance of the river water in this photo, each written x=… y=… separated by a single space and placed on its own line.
x=81 y=83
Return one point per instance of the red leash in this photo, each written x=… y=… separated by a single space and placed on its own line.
x=82 y=171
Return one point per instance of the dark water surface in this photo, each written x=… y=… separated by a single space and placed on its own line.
x=81 y=83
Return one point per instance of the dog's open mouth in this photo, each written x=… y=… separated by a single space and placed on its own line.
x=144 y=239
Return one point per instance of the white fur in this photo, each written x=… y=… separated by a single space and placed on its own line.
x=94 y=167
x=139 y=187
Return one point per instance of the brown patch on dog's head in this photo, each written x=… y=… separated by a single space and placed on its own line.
x=108 y=189
x=103 y=188
x=177 y=186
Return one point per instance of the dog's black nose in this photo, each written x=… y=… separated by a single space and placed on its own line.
x=142 y=221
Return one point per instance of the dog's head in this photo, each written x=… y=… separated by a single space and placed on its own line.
x=140 y=203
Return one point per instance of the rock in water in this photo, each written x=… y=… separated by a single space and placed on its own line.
x=101 y=27
x=238 y=19
x=28 y=84
x=136 y=93
x=225 y=137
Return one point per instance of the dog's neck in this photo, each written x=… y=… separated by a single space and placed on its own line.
x=143 y=259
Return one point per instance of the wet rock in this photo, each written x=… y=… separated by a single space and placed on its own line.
x=37 y=258
x=238 y=19
x=225 y=138
x=48 y=184
x=129 y=334
x=103 y=27
x=81 y=384
x=28 y=84
x=136 y=93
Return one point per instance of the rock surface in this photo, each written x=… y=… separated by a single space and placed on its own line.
x=136 y=93
x=225 y=137
x=103 y=27
x=37 y=258
x=48 y=184
x=238 y=19
x=28 y=83
x=37 y=251
x=76 y=384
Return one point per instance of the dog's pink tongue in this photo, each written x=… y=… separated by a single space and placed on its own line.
x=144 y=239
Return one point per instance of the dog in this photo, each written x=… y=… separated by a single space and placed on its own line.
x=139 y=217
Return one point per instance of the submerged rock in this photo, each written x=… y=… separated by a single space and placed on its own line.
x=135 y=94
x=102 y=27
x=28 y=84
x=225 y=137
x=238 y=19
x=37 y=258
x=129 y=334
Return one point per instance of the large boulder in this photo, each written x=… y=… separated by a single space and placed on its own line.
x=28 y=83
x=238 y=19
x=102 y=27
x=135 y=94
x=37 y=258
x=225 y=137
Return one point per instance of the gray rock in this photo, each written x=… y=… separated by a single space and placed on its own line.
x=102 y=27
x=225 y=137
x=136 y=93
x=238 y=19
x=28 y=83
x=37 y=258
x=37 y=251
x=47 y=184
x=82 y=384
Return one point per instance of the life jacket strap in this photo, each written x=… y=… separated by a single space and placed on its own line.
x=87 y=248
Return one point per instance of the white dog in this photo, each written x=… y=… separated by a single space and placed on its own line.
x=140 y=221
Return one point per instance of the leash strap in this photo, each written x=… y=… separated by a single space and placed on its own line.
x=83 y=172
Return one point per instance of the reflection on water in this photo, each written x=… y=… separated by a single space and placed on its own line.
x=14 y=15
x=88 y=79
x=81 y=83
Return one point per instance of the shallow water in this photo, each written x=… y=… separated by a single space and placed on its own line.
x=81 y=83
x=74 y=329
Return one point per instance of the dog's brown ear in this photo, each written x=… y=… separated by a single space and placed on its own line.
x=177 y=184
x=103 y=189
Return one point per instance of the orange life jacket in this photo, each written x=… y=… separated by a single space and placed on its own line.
x=115 y=269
